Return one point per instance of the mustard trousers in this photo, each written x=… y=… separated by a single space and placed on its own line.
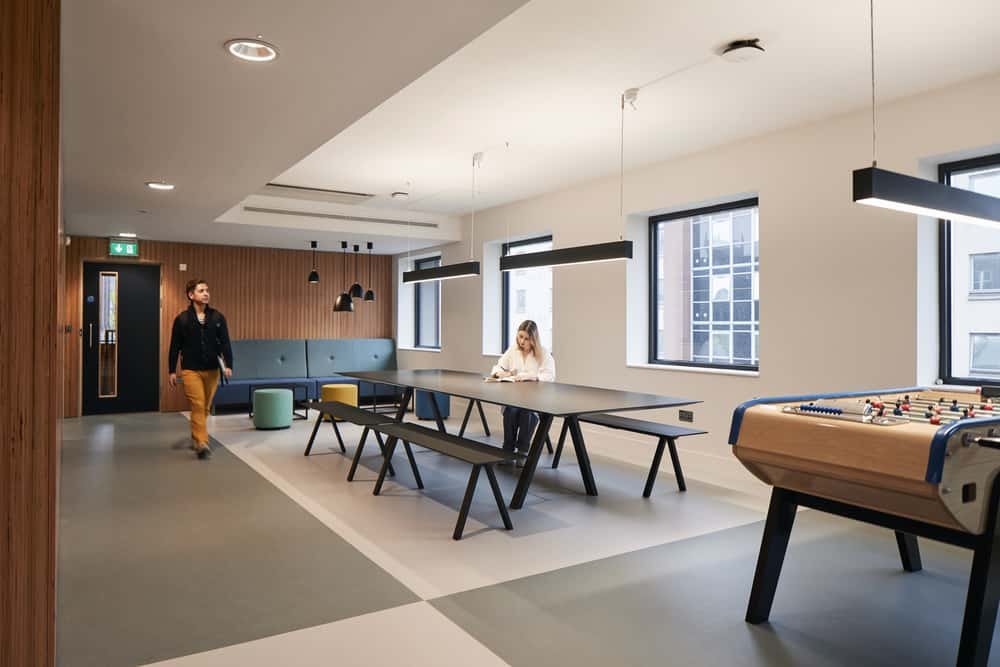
x=199 y=387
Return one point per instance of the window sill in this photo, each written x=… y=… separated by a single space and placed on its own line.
x=695 y=369
x=419 y=349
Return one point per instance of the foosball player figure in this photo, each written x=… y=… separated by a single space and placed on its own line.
x=954 y=405
x=928 y=413
x=898 y=409
x=988 y=405
x=971 y=411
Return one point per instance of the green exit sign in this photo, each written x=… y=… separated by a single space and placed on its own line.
x=119 y=248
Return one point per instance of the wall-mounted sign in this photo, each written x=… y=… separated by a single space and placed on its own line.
x=119 y=248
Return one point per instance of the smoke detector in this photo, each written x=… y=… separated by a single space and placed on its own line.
x=742 y=50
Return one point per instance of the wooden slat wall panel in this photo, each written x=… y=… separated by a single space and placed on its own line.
x=262 y=291
x=29 y=361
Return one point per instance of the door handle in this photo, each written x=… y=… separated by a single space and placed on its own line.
x=91 y=338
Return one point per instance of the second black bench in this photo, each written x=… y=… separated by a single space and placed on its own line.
x=667 y=434
x=480 y=456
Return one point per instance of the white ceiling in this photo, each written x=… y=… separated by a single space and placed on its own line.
x=148 y=92
x=547 y=80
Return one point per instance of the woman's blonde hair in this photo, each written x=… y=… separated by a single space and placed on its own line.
x=531 y=330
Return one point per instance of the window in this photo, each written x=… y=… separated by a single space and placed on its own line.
x=527 y=293
x=427 y=307
x=985 y=354
x=705 y=287
x=970 y=282
x=985 y=272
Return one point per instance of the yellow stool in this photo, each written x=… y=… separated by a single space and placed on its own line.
x=344 y=393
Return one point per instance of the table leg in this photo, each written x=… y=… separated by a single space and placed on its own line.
x=437 y=413
x=319 y=420
x=562 y=443
x=581 y=456
x=465 y=419
x=773 y=545
x=528 y=472
x=401 y=412
x=909 y=551
x=390 y=447
x=482 y=416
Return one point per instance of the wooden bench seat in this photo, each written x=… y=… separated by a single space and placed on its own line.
x=666 y=433
x=478 y=455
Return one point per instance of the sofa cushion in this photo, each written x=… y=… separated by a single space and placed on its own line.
x=267 y=359
x=330 y=357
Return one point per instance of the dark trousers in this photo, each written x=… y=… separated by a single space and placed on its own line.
x=518 y=426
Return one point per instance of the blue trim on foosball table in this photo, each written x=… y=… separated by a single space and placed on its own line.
x=734 y=430
x=935 y=462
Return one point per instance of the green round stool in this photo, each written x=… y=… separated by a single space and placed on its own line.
x=272 y=408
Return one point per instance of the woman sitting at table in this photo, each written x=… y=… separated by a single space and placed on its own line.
x=525 y=361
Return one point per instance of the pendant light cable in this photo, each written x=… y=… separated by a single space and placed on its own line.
x=871 y=23
x=621 y=161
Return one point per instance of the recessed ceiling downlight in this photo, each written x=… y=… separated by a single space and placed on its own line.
x=159 y=185
x=253 y=49
x=742 y=50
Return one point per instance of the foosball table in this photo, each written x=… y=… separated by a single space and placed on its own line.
x=920 y=461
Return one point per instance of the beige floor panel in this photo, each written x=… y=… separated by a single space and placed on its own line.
x=408 y=532
x=415 y=635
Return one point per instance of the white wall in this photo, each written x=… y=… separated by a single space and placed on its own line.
x=839 y=295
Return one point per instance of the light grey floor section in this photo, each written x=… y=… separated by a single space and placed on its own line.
x=162 y=555
x=842 y=600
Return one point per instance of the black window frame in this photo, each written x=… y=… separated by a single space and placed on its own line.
x=505 y=288
x=426 y=263
x=945 y=170
x=654 y=290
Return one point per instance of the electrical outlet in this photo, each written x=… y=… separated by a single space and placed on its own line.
x=686 y=415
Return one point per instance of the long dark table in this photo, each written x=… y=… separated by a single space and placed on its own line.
x=548 y=399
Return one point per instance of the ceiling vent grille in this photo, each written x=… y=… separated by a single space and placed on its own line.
x=314 y=194
x=334 y=216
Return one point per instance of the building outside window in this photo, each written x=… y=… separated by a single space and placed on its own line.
x=705 y=287
x=427 y=307
x=527 y=293
x=970 y=282
x=985 y=272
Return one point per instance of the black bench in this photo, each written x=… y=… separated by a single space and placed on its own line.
x=667 y=434
x=480 y=456
x=349 y=413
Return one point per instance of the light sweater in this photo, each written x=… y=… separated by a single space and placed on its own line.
x=526 y=367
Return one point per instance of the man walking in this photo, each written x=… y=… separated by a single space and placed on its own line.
x=201 y=337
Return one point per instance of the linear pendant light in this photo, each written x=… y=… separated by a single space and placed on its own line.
x=585 y=254
x=463 y=269
x=900 y=192
x=888 y=189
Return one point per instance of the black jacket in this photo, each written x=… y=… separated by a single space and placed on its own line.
x=200 y=344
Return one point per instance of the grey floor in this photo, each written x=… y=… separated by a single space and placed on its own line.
x=163 y=556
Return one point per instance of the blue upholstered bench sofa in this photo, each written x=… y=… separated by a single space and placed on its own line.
x=310 y=362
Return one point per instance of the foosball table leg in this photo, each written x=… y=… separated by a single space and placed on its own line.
x=984 y=593
x=909 y=551
x=777 y=531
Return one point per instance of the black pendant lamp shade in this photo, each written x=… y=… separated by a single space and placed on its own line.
x=314 y=274
x=584 y=254
x=888 y=189
x=370 y=294
x=344 y=302
x=442 y=272
x=356 y=289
